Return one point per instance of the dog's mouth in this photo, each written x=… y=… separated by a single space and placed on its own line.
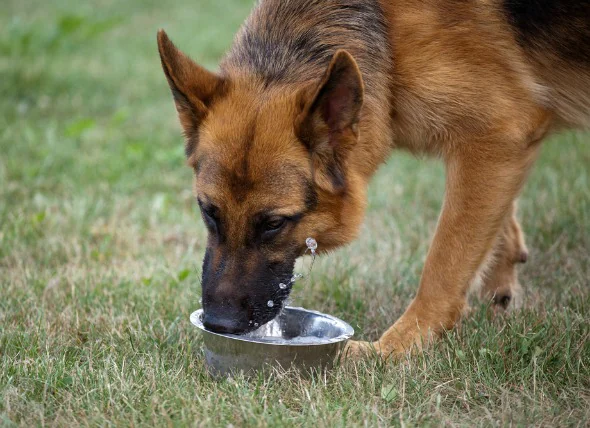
x=249 y=313
x=266 y=311
x=242 y=305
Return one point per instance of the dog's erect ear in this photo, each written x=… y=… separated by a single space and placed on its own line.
x=192 y=86
x=327 y=124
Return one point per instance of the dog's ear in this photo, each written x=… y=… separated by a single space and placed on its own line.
x=328 y=119
x=192 y=86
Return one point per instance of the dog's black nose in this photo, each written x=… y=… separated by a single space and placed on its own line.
x=224 y=324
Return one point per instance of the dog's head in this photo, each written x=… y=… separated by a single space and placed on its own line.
x=272 y=167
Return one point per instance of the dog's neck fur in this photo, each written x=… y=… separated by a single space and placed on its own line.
x=289 y=43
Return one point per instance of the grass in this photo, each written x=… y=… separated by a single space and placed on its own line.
x=100 y=251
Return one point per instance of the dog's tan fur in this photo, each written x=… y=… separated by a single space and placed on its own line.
x=455 y=83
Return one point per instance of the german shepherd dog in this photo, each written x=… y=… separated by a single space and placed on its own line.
x=313 y=97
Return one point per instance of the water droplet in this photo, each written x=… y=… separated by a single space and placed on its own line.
x=311 y=244
x=256 y=324
x=296 y=277
x=282 y=286
x=201 y=301
x=250 y=322
x=270 y=303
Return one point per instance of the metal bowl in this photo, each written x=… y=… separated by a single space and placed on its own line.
x=296 y=338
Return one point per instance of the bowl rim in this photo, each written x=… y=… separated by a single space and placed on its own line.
x=347 y=333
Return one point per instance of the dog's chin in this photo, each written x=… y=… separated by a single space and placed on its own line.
x=267 y=315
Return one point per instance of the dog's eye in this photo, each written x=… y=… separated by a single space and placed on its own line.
x=274 y=223
x=210 y=214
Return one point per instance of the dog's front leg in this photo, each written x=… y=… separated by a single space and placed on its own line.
x=482 y=181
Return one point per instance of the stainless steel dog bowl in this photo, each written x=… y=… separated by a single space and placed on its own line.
x=296 y=338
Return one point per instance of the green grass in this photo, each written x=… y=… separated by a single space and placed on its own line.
x=101 y=244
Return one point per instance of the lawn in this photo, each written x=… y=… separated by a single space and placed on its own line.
x=101 y=245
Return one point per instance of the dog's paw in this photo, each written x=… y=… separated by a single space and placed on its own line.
x=357 y=350
x=506 y=299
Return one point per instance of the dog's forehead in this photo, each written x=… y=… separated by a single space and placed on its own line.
x=246 y=121
x=268 y=187
x=249 y=154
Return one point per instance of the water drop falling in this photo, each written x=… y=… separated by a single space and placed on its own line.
x=296 y=277
x=282 y=286
x=270 y=303
x=311 y=244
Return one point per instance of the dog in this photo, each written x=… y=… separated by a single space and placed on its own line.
x=312 y=98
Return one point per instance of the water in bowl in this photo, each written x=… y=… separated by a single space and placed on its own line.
x=272 y=332
x=288 y=329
